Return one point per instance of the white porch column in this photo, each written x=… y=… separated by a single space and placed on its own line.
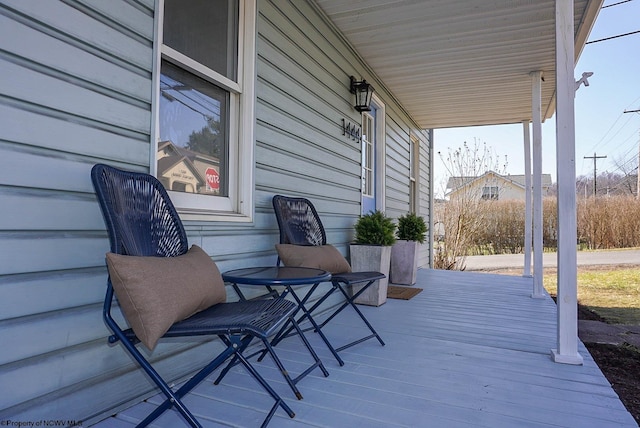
x=527 y=199
x=538 y=246
x=567 y=351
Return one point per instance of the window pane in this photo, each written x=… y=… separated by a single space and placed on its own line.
x=206 y=31
x=368 y=155
x=192 y=153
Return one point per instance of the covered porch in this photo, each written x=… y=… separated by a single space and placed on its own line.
x=471 y=350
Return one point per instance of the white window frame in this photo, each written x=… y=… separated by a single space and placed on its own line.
x=414 y=171
x=490 y=193
x=381 y=151
x=239 y=205
x=368 y=155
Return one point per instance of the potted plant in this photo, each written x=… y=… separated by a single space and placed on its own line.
x=371 y=251
x=411 y=232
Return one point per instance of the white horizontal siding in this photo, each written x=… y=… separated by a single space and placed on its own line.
x=71 y=136
x=50 y=92
x=54 y=291
x=114 y=379
x=40 y=48
x=77 y=92
x=75 y=26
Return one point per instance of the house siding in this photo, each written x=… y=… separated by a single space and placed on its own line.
x=77 y=90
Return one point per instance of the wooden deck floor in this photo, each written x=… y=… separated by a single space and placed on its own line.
x=471 y=350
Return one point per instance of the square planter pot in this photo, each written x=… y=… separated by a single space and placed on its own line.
x=366 y=258
x=404 y=262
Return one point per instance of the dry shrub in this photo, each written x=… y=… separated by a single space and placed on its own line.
x=503 y=231
x=461 y=221
x=550 y=223
x=609 y=222
x=475 y=227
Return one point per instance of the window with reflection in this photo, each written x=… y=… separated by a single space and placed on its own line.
x=202 y=84
x=194 y=118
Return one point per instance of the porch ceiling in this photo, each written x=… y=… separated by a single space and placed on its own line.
x=460 y=62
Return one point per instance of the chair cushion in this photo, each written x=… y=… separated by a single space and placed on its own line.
x=325 y=257
x=156 y=292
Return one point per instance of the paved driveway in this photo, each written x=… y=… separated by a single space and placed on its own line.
x=585 y=258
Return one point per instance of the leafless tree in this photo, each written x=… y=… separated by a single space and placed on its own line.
x=462 y=216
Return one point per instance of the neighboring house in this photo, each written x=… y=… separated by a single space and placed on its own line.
x=265 y=84
x=492 y=186
x=184 y=170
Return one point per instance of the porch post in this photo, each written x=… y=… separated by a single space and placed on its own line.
x=527 y=199
x=536 y=111
x=567 y=338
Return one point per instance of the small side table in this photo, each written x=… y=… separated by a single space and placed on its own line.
x=288 y=277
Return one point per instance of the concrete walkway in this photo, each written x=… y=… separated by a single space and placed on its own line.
x=585 y=258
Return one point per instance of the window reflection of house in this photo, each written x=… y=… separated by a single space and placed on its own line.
x=183 y=170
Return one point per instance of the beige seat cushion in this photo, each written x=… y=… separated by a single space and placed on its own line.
x=156 y=292
x=325 y=257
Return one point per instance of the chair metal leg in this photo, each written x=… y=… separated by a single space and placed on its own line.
x=284 y=372
x=279 y=402
x=317 y=362
x=351 y=302
x=174 y=398
x=311 y=351
x=286 y=332
x=235 y=346
x=234 y=361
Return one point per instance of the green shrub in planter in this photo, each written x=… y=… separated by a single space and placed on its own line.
x=411 y=227
x=375 y=229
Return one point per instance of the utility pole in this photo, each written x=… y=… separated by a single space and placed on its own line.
x=595 y=158
x=637 y=173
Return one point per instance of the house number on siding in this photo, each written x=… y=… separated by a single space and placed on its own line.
x=352 y=131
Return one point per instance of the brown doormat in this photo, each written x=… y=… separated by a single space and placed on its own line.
x=404 y=293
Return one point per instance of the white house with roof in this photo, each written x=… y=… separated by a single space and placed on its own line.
x=493 y=186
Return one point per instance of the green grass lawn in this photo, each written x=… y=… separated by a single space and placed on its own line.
x=613 y=293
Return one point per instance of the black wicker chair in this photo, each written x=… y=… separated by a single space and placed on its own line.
x=142 y=221
x=300 y=224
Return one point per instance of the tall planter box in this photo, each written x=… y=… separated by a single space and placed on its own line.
x=404 y=262
x=372 y=258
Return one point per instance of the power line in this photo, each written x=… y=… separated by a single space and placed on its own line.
x=613 y=37
x=615 y=134
x=615 y=4
x=606 y=134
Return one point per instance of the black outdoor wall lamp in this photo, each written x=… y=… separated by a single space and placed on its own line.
x=363 y=92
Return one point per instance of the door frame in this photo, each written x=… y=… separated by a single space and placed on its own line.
x=380 y=164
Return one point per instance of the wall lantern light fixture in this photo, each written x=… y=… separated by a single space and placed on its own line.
x=363 y=92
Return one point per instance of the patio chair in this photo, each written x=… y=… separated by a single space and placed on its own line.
x=300 y=225
x=166 y=289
